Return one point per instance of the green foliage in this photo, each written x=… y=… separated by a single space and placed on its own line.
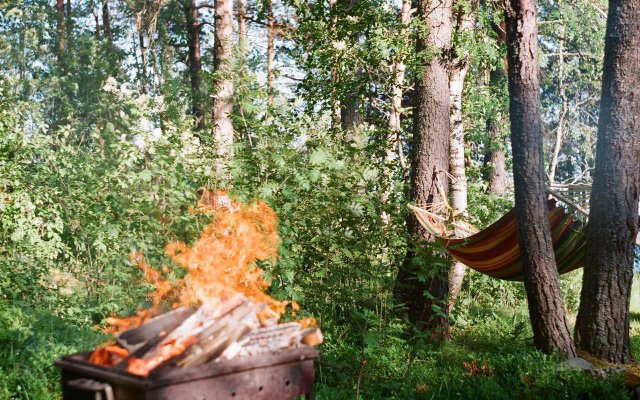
x=93 y=168
x=336 y=251
x=493 y=334
x=74 y=208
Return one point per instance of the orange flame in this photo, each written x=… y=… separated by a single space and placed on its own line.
x=221 y=264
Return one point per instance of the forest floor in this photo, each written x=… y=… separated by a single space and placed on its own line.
x=489 y=357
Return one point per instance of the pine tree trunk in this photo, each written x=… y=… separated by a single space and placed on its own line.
x=195 y=62
x=429 y=182
x=350 y=116
x=546 y=308
x=223 y=88
x=106 y=24
x=602 y=328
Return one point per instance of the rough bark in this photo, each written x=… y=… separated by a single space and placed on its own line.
x=460 y=66
x=223 y=87
x=194 y=62
x=271 y=53
x=429 y=166
x=106 y=24
x=602 y=328
x=546 y=308
x=350 y=116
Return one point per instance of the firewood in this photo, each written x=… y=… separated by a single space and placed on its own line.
x=194 y=325
x=214 y=345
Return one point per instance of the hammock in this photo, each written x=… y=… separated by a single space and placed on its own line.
x=494 y=251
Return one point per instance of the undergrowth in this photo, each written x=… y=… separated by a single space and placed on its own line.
x=489 y=357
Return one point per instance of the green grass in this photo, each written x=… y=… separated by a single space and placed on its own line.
x=30 y=340
x=514 y=369
x=392 y=363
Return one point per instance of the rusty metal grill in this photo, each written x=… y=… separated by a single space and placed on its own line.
x=287 y=374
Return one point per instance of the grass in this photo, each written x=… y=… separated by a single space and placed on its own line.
x=489 y=357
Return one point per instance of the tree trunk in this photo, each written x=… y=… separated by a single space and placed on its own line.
x=195 y=62
x=553 y=165
x=350 y=116
x=61 y=30
x=335 y=102
x=495 y=160
x=106 y=24
x=69 y=24
x=143 y=62
x=427 y=272
x=271 y=53
x=460 y=66
x=242 y=25
x=223 y=88
x=602 y=328
x=546 y=308
x=394 y=144
x=94 y=12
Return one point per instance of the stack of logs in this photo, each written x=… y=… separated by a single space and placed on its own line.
x=189 y=337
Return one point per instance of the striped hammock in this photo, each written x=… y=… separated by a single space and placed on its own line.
x=494 y=251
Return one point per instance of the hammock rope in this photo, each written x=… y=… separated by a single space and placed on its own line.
x=494 y=251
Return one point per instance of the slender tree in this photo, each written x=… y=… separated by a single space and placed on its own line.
x=144 y=75
x=335 y=102
x=271 y=52
x=106 y=25
x=397 y=92
x=242 y=24
x=223 y=87
x=465 y=21
x=495 y=160
x=546 y=308
x=602 y=328
x=96 y=18
x=60 y=29
x=194 y=62
x=429 y=168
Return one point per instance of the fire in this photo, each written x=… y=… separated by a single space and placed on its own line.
x=220 y=265
x=172 y=348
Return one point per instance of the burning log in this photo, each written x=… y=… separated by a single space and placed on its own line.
x=226 y=331
x=184 y=335
x=233 y=338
